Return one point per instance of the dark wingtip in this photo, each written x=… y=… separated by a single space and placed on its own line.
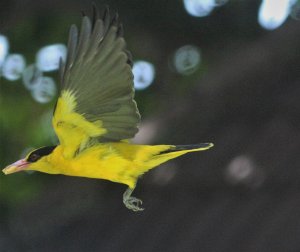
x=105 y=14
x=115 y=19
x=129 y=58
x=95 y=14
x=203 y=146
x=94 y=6
x=120 y=31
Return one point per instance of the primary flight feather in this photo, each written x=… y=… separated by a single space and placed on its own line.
x=96 y=114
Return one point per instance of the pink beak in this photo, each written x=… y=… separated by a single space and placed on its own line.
x=16 y=167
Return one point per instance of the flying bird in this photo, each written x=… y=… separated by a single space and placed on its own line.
x=96 y=114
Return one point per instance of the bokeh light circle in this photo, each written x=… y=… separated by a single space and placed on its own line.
x=199 y=8
x=187 y=59
x=4 y=48
x=13 y=67
x=48 y=57
x=144 y=73
x=44 y=90
x=31 y=76
x=273 y=14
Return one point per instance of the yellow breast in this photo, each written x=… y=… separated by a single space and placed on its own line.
x=100 y=161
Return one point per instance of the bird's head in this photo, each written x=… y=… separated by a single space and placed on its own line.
x=32 y=158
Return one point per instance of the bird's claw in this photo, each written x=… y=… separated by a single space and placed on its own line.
x=132 y=203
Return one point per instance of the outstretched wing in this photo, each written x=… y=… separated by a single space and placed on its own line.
x=96 y=100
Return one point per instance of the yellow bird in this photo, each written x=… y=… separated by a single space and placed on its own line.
x=96 y=114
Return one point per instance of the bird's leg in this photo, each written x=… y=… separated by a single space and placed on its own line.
x=130 y=202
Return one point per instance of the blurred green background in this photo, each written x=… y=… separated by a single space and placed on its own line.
x=224 y=78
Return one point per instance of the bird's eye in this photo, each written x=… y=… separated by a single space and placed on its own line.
x=33 y=157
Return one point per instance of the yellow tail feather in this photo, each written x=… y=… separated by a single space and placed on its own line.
x=174 y=152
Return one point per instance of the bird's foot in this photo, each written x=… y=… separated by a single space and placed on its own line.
x=130 y=202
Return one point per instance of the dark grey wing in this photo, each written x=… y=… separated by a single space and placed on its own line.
x=98 y=72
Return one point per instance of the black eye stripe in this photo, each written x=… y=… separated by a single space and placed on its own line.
x=39 y=153
x=33 y=157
